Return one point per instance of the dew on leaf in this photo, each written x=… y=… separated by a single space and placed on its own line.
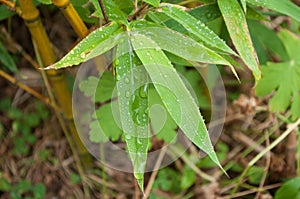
x=127 y=94
x=128 y=137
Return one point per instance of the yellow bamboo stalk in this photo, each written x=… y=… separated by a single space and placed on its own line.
x=57 y=78
x=72 y=16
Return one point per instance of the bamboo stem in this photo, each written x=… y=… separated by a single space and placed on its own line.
x=56 y=77
x=72 y=16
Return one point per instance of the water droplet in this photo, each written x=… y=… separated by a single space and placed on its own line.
x=83 y=55
x=147 y=53
x=117 y=62
x=127 y=80
x=127 y=94
x=139 y=141
x=128 y=137
x=157 y=48
x=143 y=91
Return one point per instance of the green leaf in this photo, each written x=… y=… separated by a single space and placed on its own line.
x=283 y=77
x=114 y=12
x=47 y=2
x=39 y=191
x=97 y=13
x=267 y=40
x=98 y=42
x=236 y=24
x=4 y=184
x=289 y=189
x=204 y=13
x=283 y=6
x=162 y=123
x=6 y=59
x=105 y=126
x=186 y=47
x=167 y=180
x=180 y=45
x=75 y=178
x=125 y=5
x=154 y=3
x=99 y=89
x=188 y=178
x=244 y=5
x=173 y=93
x=5 y=13
x=132 y=88
x=196 y=27
x=84 y=9
x=23 y=186
x=255 y=174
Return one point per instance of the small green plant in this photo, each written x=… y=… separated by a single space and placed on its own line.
x=283 y=77
x=169 y=180
x=23 y=189
x=22 y=124
x=290 y=189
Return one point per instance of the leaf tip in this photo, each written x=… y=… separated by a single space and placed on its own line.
x=141 y=184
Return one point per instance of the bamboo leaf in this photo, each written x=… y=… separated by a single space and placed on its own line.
x=98 y=42
x=283 y=6
x=186 y=47
x=244 y=5
x=196 y=27
x=235 y=21
x=133 y=104
x=113 y=11
x=154 y=3
x=173 y=93
x=205 y=13
x=6 y=59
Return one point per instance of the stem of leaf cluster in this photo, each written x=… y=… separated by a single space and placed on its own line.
x=137 y=12
x=103 y=11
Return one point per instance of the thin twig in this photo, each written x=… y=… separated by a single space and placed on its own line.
x=248 y=141
x=291 y=127
x=268 y=162
x=154 y=173
x=103 y=11
x=131 y=17
x=247 y=192
x=28 y=89
x=192 y=165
